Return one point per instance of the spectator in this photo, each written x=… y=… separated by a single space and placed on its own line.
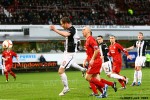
x=33 y=50
x=25 y=50
x=42 y=59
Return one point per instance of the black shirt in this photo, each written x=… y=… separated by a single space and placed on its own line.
x=71 y=40
x=103 y=51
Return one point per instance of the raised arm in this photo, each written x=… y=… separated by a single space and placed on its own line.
x=62 y=33
x=130 y=48
x=125 y=51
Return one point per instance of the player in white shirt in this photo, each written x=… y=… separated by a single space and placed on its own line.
x=71 y=46
x=141 y=46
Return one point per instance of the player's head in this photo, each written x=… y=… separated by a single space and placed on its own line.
x=99 y=39
x=112 y=38
x=65 y=22
x=86 y=31
x=140 y=36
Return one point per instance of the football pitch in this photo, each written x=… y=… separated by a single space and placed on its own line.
x=47 y=86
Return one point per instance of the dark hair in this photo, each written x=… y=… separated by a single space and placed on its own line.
x=65 y=20
x=100 y=36
x=141 y=33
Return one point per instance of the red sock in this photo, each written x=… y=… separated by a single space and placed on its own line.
x=13 y=74
x=100 y=89
x=93 y=87
x=121 y=82
x=107 y=82
x=97 y=82
x=6 y=75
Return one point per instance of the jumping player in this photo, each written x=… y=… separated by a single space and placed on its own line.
x=72 y=39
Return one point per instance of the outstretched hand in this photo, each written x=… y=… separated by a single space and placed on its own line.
x=52 y=27
x=129 y=57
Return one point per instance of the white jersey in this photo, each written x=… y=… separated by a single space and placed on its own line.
x=141 y=51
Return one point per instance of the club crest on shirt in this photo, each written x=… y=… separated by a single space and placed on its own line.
x=63 y=63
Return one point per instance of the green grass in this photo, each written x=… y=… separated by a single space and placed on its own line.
x=47 y=86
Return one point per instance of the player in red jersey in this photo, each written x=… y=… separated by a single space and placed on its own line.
x=95 y=62
x=7 y=58
x=115 y=50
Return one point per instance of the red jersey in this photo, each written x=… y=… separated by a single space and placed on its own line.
x=90 y=46
x=115 y=52
x=9 y=56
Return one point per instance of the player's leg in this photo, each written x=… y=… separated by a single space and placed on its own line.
x=116 y=69
x=13 y=74
x=115 y=74
x=6 y=75
x=138 y=73
x=122 y=80
x=93 y=71
x=92 y=79
x=94 y=89
x=75 y=65
x=139 y=70
x=108 y=69
x=134 y=77
x=6 y=71
x=103 y=90
x=64 y=81
x=91 y=76
x=65 y=65
x=93 y=86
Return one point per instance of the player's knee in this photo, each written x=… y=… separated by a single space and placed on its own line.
x=87 y=78
x=59 y=71
x=137 y=68
x=109 y=74
x=6 y=73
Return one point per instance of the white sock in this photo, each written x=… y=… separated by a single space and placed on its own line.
x=113 y=75
x=75 y=65
x=135 y=76
x=139 y=76
x=64 y=80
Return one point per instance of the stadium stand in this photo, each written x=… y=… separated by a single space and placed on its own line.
x=81 y=12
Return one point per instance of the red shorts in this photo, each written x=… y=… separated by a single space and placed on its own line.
x=8 y=67
x=116 y=67
x=95 y=68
